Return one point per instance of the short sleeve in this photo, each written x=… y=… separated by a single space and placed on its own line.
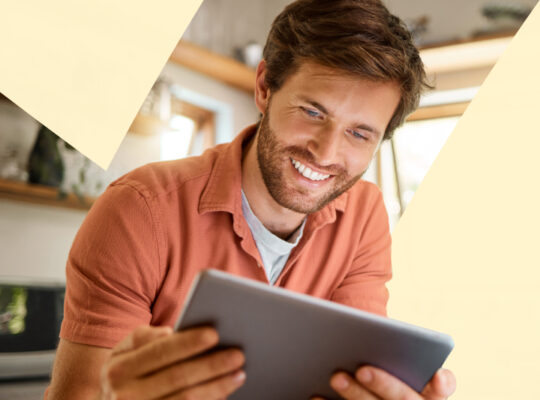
x=113 y=269
x=364 y=287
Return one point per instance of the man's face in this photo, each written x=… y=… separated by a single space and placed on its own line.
x=318 y=134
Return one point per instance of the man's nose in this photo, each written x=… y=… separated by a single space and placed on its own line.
x=325 y=144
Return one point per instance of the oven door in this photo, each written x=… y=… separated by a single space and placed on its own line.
x=30 y=318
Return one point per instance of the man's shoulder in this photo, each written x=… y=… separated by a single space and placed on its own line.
x=160 y=178
x=363 y=195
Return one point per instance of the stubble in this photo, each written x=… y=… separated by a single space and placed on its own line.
x=273 y=157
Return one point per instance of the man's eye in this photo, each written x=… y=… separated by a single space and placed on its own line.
x=310 y=112
x=356 y=134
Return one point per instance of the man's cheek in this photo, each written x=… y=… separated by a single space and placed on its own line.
x=294 y=131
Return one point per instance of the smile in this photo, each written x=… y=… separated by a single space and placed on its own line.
x=306 y=172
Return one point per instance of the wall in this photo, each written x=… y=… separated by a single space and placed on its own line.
x=216 y=25
x=450 y=20
x=35 y=239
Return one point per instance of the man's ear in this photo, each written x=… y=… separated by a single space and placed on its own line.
x=262 y=92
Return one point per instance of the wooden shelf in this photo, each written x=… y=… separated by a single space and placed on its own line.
x=39 y=194
x=439 y=111
x=464 y=55
x=448 y=57
x=216 y=66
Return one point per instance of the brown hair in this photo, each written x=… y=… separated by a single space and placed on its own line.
x=358 y=36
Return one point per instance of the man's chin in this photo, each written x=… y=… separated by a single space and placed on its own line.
x=302 y=203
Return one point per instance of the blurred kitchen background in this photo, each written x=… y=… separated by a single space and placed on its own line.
x=204 y=96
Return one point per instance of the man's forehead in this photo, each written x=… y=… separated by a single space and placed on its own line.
x=312 y=69
x=310 y=74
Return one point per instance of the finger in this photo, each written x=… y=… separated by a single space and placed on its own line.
x=384 y=385
x=186 y=374
x=349 y=389
x=141 y=336
x=163 y=352
x=441 y=386
x=214 y=390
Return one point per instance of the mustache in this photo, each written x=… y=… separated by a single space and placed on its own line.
x=300 y=153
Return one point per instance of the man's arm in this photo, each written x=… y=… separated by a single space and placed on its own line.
x=150 y=363
x=364 y=286
x=76 y=372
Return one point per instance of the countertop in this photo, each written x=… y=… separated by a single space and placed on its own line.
x=23 y=390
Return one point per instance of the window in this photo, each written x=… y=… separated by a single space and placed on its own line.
x=402 y=163
x=192 y=131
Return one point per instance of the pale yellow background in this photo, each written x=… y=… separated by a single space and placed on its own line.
x=83 y=68
x=466 y=252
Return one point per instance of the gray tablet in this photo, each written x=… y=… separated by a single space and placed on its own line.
x=293 y=343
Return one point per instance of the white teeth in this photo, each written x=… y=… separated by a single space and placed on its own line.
x=307 y=172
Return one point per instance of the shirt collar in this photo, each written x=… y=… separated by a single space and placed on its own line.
x=223 y=191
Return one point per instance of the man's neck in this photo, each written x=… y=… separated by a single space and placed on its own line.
x=279 y=220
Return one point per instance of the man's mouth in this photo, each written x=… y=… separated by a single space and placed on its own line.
x=307 y=172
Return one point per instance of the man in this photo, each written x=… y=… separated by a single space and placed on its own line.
x=283 y=203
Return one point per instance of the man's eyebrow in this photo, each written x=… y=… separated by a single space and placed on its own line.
x=369 y=128
x=315 y=104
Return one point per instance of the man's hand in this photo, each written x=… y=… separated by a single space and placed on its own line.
x=155 y=363
x=371 y=383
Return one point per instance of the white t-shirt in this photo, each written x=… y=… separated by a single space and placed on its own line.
x=273 y=250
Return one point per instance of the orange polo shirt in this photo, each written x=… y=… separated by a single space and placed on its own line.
x=146 y=238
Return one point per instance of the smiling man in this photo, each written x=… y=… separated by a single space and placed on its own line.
x=283 y=204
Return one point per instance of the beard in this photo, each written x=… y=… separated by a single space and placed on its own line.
x=273 y=158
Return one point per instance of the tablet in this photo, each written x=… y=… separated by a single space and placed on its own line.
x=293 y=343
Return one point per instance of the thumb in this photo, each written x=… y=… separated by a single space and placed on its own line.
x=441 y=386
x=141 y=336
